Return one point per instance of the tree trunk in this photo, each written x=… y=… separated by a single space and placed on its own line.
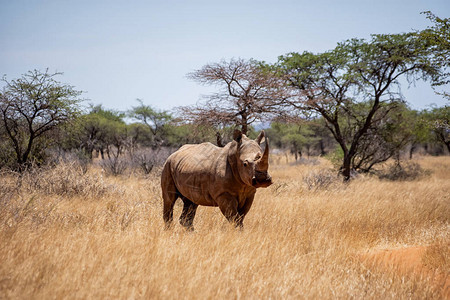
x=346 y=168
x=26 y=154
x=219 y=139
x=322 y=148
x=244 y=128
x=411 y=151
x=244 y=123
x=88 y=150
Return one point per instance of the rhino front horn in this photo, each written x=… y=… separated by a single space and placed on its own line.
x=264 y=163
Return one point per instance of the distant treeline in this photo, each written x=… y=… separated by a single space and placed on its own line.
x=108 y=134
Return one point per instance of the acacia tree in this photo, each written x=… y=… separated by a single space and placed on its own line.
x=32 y=106
x=438 y=120
x=102 y=128
x=294 y=135
x=247 y=94
x=437 y=37
x=93 y=131
x=385 y=138
x=353 y=87
x=155 y=121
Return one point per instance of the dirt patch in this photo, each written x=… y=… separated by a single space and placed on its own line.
x=410 y=261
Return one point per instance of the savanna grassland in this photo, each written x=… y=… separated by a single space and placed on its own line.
x=69 y=234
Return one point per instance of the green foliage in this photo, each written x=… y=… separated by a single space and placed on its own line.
x=100 y=129
x=336 y=157
x=437 y=38
x=388 y=135
x=438 y=120
x=292 y=136
x=7 y=154
x=32 y=107
x=300 y=136
x=155 y=120
x=140 y=134
x=178 y=135
x=354 y=87
x=107 y=114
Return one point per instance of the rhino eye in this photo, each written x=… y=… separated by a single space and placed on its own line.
x=245 y=163
x=258 y=156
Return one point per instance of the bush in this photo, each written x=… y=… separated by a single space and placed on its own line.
x=63 y=179
x=143 y=159
x=7 y=156
x=114 y=165
x=75 y=156
x=307 y=162
x=321 y=179
x=336 y=157
x=146 y=159
x=403 y=172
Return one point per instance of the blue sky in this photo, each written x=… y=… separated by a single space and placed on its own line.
x=118 y=51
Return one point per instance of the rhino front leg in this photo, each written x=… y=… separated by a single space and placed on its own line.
x=188 y=214
x=229 y=207
x=242 y=211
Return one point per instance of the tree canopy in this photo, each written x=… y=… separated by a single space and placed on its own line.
x=354 y=87
x=246 y=94
x=155 y=120
x=32 y=106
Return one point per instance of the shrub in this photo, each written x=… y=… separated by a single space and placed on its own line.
x=403 y=172
x=75 y=156
x=146 y=159
x=336 y=157
x=307 y=161
x=320 y=179
x=114 y=165
x=7 y=155
x=64 y=179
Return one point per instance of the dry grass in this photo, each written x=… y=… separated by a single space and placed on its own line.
x=105 y=238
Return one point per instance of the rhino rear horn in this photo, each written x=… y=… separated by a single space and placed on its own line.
x=260 y=137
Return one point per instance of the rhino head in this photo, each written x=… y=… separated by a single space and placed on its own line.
x=251 y=162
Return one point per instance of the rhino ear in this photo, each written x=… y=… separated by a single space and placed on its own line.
x=237 y=135
x=260 y=137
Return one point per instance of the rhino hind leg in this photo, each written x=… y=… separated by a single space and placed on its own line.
x=170 y=195
x=168 y=212
x=188 y=214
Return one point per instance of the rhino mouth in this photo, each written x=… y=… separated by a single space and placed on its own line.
x=261 y=179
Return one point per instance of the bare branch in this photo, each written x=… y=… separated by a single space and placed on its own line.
x=248 y=94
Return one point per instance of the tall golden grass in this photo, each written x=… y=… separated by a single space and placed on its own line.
x=65 y=234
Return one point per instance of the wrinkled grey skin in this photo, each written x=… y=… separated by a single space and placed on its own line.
x=204 y=174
